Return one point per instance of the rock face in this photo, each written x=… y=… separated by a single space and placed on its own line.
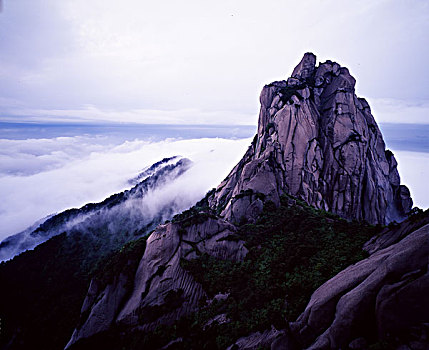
x=162 y=290
x=160 y=272
x=385 y=293
x=256 y=340
x=393 y=234
x=317 y=141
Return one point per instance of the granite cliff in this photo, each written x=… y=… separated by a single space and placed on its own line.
x=319 y=142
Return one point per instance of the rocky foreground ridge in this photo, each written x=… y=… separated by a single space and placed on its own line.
x=317 y=142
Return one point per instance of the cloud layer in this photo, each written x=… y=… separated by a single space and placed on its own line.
x=39 y=177
x=414 y=169
x=63 y=173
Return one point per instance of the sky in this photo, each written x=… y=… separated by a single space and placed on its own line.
x=192 y=62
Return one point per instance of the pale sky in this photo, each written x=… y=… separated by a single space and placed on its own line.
x=202 y=61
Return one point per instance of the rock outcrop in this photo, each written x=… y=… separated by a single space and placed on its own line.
x=379 y=298
x=257 y=340
x=394 y=233
x=385 y=293
x=317 y=141
x=162 y=290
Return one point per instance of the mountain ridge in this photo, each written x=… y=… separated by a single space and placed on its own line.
x=99 y=218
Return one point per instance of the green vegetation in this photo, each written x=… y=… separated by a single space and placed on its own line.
x=198 y=214
x=269 y=126
x=42 y=292
x=192 y=216
x=124 y=261
x=46 y=287
x=289 y=91
x=292 y=251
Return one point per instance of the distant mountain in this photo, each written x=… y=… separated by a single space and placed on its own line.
x=22 y=241
x=118 y=219
x=151 y=170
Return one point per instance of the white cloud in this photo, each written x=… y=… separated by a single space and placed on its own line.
x=387 y=110
x=32 y=156
x=414 y=169
x=44 y=176
x=93 y=172
x=144 y=116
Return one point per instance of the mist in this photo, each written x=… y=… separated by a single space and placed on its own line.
x=413 y=168
x=65 y=173
x=41 y=177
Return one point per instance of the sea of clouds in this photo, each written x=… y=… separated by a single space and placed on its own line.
x=39 y=177
x=414 y=171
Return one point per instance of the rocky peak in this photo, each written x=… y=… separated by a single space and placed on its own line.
x=306 y=67
x=317 y=141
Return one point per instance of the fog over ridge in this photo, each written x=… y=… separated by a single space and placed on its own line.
x=92 y=173
x=40 y=177
x=122 y=217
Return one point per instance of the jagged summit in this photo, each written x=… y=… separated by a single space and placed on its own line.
x=317 y=141
x=305 y=68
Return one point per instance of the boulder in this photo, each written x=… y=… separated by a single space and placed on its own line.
x=382 y=296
